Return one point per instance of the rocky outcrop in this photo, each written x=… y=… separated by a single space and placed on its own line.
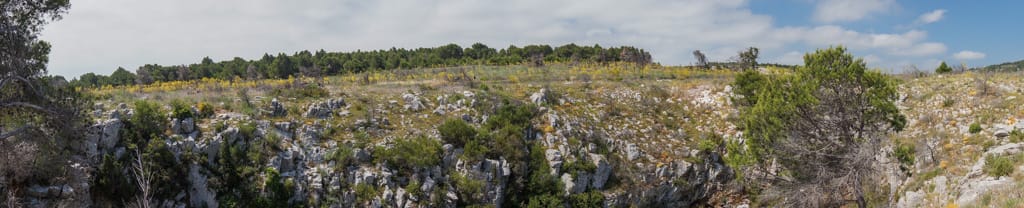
x=277 y=109
x=200 y=194
x=324 y=109
x=601 y=173
x=700 y=182
x=412 y=102
x=540 y=97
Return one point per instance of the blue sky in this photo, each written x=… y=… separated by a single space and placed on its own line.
x=99 y=36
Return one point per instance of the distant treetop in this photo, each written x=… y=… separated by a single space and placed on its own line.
x=333 y=63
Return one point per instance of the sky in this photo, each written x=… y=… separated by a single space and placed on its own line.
x=893 y=36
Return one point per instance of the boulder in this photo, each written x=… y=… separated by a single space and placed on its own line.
x=575 y=185
x=439 y=110
x=175 y=125
x=975 y=189
x=412 y=102
x=361 y=156
x=324 y=109
x=188 y=125
x=540 y=97
x=602 y=172
x=1000 y=133
x=110 y=133
x=277 y=109
x=200 y=194
x=632 y=152
x=554 y=158
x=428 y=185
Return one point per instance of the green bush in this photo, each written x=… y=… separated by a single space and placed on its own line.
x=247 y=130
x=975 y=128
x=278 y=189
x=546 y=200
x=308 y=91
x=577 y=166
x=904 y=153
x=456 y=132
x=111 y=183
x=1016 y=136
x=591 y=199
x=414 y=152
x=468 y=189
x=474 y=151
x=147 y=122
x=366 y=192
x=180 y=110
x=997 y=166
x=943 y=68
x=948 y=103
x=342 y=157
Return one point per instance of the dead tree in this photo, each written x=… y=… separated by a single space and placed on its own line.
x=702 y=60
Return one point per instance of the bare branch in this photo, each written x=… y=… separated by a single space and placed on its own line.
x=17 y=131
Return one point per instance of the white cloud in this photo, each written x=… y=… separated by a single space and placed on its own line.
x=791 y=58
x=923 y=49
x=931 y=17
x=850 y=10
x=99 y=36
x=969 y=55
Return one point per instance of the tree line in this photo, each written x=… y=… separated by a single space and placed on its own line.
x=319 y=63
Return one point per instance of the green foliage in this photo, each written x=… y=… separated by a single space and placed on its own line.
x=147 y=122
x=511 y=115
x=468 y=189
x=541 y=181
x=997 y=166
x=205 y=110
x=335 y=63
x=943 y=68
x=474 y=151
x=815 y=121
x=578 y=166
x=342 y=157
x=974 y=128
x=236 y=170
x=591 y=199
x=278 y=189
x=545 y=201
x=769 y=104
x=180 y=110
x=247 y=129
x=310 y=91
x=362 y=139
x=413 y=188
x=904 y=152
x=112 y=181
x=1016 y=136
x=456 y=132
x=416 y=152
x=948 y=103
x=509 y=126
x=365 y=192
x=709 y=144
x=167 y=175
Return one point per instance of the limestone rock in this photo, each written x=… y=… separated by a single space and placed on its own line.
x=554 y=158
x=412 y=102
x=602 y=172
x=110 y=134
x=632 y=152
x=277 y=109
x=540 y=97
x=200 y=194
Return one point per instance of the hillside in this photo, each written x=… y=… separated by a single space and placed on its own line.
x=1008 y=66
x=594 y=135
